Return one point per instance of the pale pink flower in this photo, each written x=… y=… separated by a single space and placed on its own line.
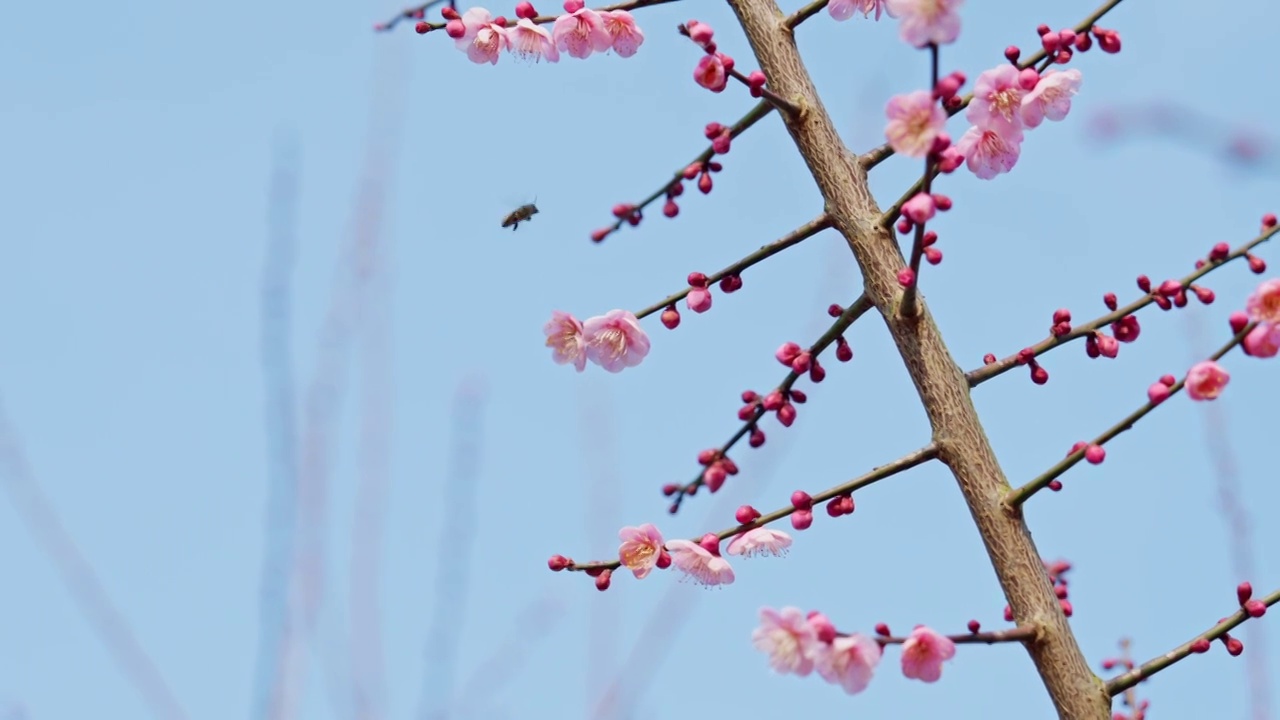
x=760 y=541
x=1263 y=341
x=1263 y=304
x=988 y=153
x=698 y=563
x=710 y=73
x=532 y=42
x=615 y=340
x=581 y=33
x=698 y=299
x=789 y=640
x=483 y=40
x=1051 y=98
x=915 y=119
x=564 y=337
x=923 y=654
x=640 y=549
x=997 y=101
x=1206 y=379
x=920 y=208
x=627 y=37
x=926 y=21
x=849 y=661
x=842 y=10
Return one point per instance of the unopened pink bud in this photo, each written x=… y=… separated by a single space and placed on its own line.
x=603 y=580
x=787 y=414
x=455 y=29
x=787 y=353
x=573 y=6
x=746 y=514
x=757 y=438
x=773 y=401
x=559 y=562
x=524 y=9
x=1200 y=645
x=711 y=543
x=1239 y=320
x=801 y=363
x=1158 y=393
x=800 y=500
x=1028 y=78
x=1095 y=454
x=801 y=519
x=1244 y=591
x=670 y=318
x=906 y=277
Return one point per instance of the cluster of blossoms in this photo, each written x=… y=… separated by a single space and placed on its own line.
x=920 y=22
x=613 y=341
x=643 y=549
x=1207 y=379
x=799 y=644
x=580 y=32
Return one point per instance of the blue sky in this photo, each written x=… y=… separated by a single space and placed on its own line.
x=138 y=149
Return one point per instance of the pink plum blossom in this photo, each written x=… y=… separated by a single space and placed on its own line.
x=1051 y=98
x=926 y=21
x=760 y=541
x=564 y=337
x=698 y=299
x=849 y=661
x=627 y=37
x=842 y=10
x=923 y=654
x=1263 y=304
x=581 y=33
x=988 y=153
x=711 y=74
x=698 y=563
x=1263 y=341
x=915 y=120
x=615 y=340
x=484 y=39
x=997 y=101
x=920 y=208
x=532 y=42
x=1206 y=379
x=789 y=640
x=640 y=549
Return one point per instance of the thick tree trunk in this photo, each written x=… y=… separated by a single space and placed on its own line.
x=1076 y=692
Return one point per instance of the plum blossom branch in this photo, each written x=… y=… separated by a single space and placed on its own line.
x=986 y=372
x=904 y=463
x=1014 y=498
x=878 y=155
x=1021 y=633
x=846 y=319
x=419 y=12
x=804 y=13
x=632 y=213
x=795 y=237
x=908 y=305
x=1197 y=644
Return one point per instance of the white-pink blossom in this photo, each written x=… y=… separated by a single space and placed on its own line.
x=1051 y=98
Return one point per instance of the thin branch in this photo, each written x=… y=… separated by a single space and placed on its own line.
x=856 y=310
x=804 y=13
x=986 y=372
x=1014 y=498
x=795 y=237
x=874 y=157
x=1120 y=683
x=82 y=582
x=419 y=12
x=1019 y=634
x=753 y=116
x=908 y=305
x=906 y=462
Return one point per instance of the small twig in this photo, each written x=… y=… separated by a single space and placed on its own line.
x=795 y=237
x=1016 y=497
x=1120 y=683
x=906 y=462
x=419 y=11
x=842 y=323
x=793 y=21
x=751 y=118
x=986 y=372
x=908 y=305
x=1021 y=633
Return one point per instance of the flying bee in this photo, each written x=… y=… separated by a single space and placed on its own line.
x=524 y=213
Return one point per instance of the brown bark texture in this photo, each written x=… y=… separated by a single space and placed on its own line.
x=1076 y=692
